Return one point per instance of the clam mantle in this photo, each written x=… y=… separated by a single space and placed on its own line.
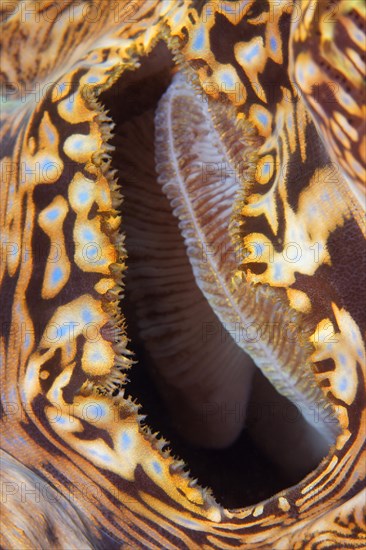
x=279 y=86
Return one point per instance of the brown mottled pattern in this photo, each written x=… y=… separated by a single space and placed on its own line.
x=65 y=415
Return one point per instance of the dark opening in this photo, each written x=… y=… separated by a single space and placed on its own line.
x=251 y=469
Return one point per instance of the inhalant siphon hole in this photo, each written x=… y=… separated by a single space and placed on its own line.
x=249 y=470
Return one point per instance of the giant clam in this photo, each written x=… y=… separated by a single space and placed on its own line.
x=227 y=182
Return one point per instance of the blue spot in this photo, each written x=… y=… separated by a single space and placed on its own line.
x=157 y=467
x=101 y=456
x=228 y=80
x=62 y=87
x=343 y=384
x=94 y=412
x=92 y=255
x=96 y=356
x=325 y=197
x=86 y=316
x=56 y=275
x=47 y=164
x=78 y=144
x=313 y=211
x=300 y=75
x=228 y=9
x=53 y=214
x=30 y=374
x=177 y=17
x=188 y=522
x=88 y=235
x=83 y=196
x=343 y=359
x=266 y=169
x=100 y=262
x=277 y=273
x=59 y=420
x=50 y=135
x=345 y=98
x=64 y=378
x=27 y=340
x=359 y=353
x=125 y=441
x=92 y=79
x=20 y=439
x=263 y=118
x=69 y=103
x=208 y=11
x=259 y=249
x=199 y=40
x=252 y=53
x=273 y=43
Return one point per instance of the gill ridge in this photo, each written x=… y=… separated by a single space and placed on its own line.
x=262 y=306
